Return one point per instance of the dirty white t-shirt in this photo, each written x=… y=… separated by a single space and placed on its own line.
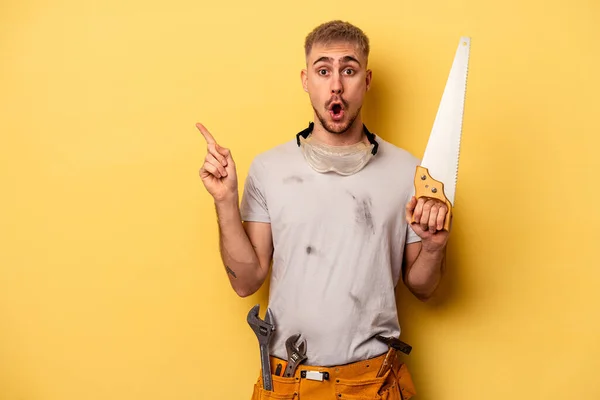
x=338 y=248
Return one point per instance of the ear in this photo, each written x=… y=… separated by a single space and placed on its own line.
x=368 y=78
x=304 y=78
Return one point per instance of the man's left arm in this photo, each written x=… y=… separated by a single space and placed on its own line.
x=425 y=261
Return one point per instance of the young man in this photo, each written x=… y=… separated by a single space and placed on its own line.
x=331 y=209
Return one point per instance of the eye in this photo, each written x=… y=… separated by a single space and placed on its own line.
x=349 y=71
x=322 y=71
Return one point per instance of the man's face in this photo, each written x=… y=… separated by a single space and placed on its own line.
x=336 y=79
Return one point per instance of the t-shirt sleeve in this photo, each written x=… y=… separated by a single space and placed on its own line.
x=254 y=204
x=411 y=236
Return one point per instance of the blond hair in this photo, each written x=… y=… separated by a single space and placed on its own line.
x=337 y=31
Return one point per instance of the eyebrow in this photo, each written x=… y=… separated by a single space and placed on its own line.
x=343 y=59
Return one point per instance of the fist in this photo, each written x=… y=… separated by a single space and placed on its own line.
x=429 y=216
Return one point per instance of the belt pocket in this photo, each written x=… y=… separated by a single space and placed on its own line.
x=283 y=389
x=365 y=388
x=405 y=382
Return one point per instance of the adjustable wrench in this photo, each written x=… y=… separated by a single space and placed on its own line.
x=296 y=354
x=264 y=332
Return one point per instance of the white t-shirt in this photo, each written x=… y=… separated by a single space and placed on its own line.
x=338 y=249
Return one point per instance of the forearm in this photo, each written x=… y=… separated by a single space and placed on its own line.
x=424 y=275
x=237 y=253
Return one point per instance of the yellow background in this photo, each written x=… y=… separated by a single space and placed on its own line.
x=111 y=285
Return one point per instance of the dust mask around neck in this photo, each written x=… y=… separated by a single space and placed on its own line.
x=343 y=160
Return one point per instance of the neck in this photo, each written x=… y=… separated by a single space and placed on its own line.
x=353 y=135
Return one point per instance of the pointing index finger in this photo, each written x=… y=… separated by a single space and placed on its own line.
x=207 y=136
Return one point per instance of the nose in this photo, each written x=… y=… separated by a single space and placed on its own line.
x=336 y=85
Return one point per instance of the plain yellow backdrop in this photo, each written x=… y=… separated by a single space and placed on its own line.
x=111 y=285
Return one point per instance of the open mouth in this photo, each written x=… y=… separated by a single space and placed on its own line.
x=336 y=111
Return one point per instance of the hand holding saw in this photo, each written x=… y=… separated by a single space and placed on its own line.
x=437 y=174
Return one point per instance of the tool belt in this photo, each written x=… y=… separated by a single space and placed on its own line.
x=385 y=377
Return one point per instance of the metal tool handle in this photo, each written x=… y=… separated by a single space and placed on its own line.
x=289 y=369
x=266 y=368
x=426 y=186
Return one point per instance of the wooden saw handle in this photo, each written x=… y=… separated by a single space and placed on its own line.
x=426 y=186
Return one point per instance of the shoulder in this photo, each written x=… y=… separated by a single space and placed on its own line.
x=395 y=154
x=393 y=165
x=275 y=157
x=278 y=152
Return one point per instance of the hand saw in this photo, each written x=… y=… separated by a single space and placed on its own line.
x=437 y=174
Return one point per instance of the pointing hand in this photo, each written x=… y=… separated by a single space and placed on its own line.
x=218 y=173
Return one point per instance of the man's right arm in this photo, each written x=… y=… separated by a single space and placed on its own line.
x=246 y=248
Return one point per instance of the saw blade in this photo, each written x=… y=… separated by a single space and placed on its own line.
x=443 y=148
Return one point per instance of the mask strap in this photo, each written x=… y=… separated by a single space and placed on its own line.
x=305 y=132
x=371 y=136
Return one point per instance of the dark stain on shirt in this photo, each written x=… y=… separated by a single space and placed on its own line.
x=363 y=213
x=293 y=179
x=309 y=249
x=356 y=300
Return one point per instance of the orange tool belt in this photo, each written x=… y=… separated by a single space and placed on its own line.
x=384 y=377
